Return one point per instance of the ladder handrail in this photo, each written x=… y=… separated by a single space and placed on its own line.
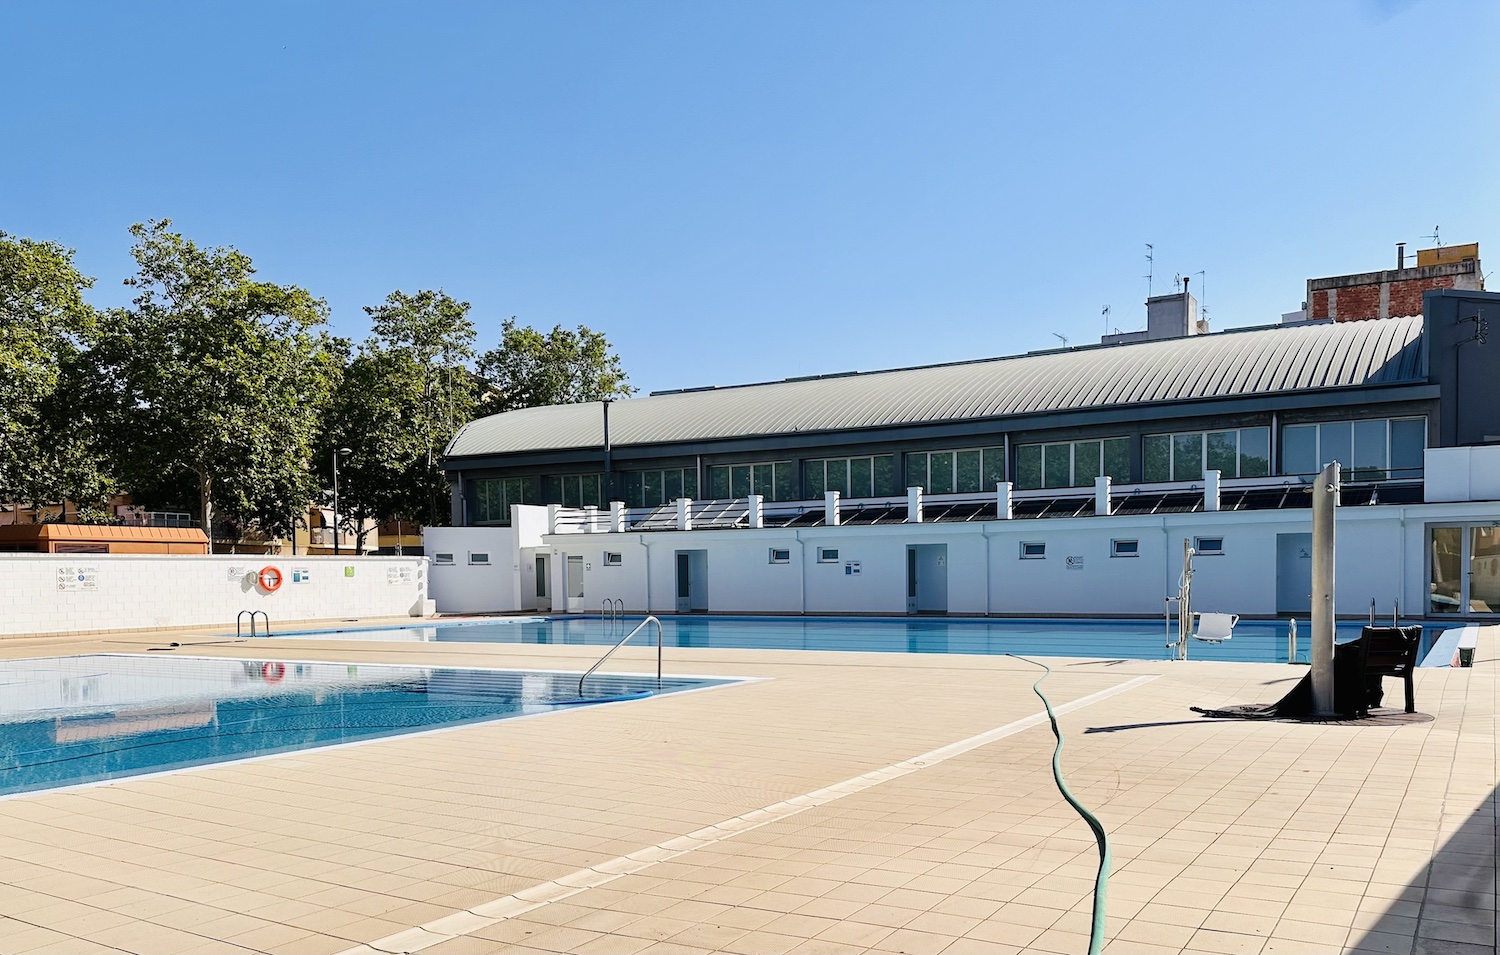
x=239 y=619
x=649 y=619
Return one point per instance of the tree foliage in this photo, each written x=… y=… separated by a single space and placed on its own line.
x=215 y=373
x=529 y=369
x=399 y=403
x=48 y=439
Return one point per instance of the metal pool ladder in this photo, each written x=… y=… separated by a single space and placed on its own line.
x=239 y=621
x=611 y=651
x=610 y=612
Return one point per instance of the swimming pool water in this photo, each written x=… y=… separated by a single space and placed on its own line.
x=1253 y=641
x=67 y=720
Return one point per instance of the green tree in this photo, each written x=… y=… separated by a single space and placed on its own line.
x=400 y=401
x=49 y=447
x=217 y=374
x=530 y=369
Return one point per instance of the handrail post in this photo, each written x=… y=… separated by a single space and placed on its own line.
x=609 y=653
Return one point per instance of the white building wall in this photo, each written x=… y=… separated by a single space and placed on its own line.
x=63 y=593
x=467 y=586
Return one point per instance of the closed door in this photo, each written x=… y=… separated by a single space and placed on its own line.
x=543 y=601
x=574 y=581
x=1294 y=573
x=1463 y=569
x=684 y=582
x=927 y=578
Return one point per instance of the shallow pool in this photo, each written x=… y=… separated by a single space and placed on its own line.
x=68 y=720
x=1253 y=641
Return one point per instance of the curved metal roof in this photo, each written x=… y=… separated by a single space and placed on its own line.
x=1291 y=358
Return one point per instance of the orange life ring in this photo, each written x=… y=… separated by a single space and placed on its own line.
x=270 y=579
x=273 y=672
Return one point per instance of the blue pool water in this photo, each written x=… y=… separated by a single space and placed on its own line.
x=66 y=720
x=1253 y=641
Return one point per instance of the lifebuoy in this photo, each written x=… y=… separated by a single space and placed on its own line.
x=270 y=579
x=273 y=672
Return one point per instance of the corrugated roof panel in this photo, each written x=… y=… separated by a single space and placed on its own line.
x=1275 y=359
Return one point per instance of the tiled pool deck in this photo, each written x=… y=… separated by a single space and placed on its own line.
x=565 y=833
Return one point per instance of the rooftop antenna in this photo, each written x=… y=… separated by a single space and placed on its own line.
x=1434 y=237
x=1105 y=313
x=1177 y=282
x=1202 y=294
x=1061 y=338
x=1150 y=268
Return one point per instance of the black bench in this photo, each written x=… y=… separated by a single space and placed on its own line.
x=1388 y=651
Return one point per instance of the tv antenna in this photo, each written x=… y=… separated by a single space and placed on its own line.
x=1105 y=313
x=1150 y=268
x=1434 y=237
x=1061 y=338
x=1202 y=294
x=1177 y=282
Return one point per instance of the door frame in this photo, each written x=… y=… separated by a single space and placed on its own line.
x=1466 y=572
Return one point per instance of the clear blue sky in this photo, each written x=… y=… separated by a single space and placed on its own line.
x=747 y=191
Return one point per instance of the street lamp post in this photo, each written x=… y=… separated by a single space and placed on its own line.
x=336 y=497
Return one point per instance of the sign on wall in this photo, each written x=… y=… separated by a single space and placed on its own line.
x=399 y=575
x=78 y=578
x=851 y=568
x=1075 y=562
x=301 y=575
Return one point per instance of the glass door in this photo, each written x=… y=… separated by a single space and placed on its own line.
x=1463 y=569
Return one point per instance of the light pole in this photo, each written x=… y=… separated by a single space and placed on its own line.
x=336 y=497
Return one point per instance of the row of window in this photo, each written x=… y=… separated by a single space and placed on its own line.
x=1202 y=546
x=1372 y=449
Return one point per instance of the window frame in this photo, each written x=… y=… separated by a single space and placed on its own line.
x=1199 y=550
x=479 y=558
x=1027 y=554
x=612 y=558
x=1115 y=549
x=779 y=555
x=828 y=555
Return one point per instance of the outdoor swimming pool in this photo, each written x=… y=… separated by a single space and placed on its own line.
x=1253 y=641
x=68 y=720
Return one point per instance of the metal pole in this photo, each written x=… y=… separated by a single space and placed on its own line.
x=335 y=503
x=609 y=487
x=1325 y=499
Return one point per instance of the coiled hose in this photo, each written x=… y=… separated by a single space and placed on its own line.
x=1101 y=878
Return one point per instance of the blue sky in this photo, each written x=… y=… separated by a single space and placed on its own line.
x=735 y=192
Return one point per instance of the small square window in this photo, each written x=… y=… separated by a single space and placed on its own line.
x=1033 y=550
x=613 y=560
x=479 y=557
x=1125 y=548
x=1208 y=545
x=442 y=559
x=781 y=555
x=828 y=555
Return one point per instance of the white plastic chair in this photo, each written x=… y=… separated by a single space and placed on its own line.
x=1214 y=627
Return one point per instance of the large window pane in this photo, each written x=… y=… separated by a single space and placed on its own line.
x=1029 y=466
x=1369 y=458
x=1484 y=570
x=859 y=478
x=672 y=484
x=1335 y=443
x=1157 y=457
x=1187 y=457
x=838 y=477
x=994 y=467
x=1445 y=589
x=630 y=489
x=552 y=492
x=1086 y=462
x=940 y=472
x=1255 y=452
x=690 y=483
x=1224 y=453
x=1117 y=458
x=570 y=495
x=590 y=491
x=785 y=482
x=654 y=491
x=967 y=464
x=812 y=480
x=916 y=470
x=885 y=475
x=1299 y=449
x=1057 y=470
x=1408 y=439
x=718 y=483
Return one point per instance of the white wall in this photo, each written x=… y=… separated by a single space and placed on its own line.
x=468 y=587
x=43 y=593
x=1462 y=474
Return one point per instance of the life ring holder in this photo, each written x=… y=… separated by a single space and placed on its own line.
x=273 y=672
x=270 y=579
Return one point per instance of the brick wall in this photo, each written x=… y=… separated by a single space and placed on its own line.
x=1406 y=297
x=1318 y=307
x=1358 y=302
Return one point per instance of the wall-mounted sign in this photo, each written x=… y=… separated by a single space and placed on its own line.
x=851 y=568
x=348 y=571
x=238 y=573
x=301 y=575
x=1075 y=562
x=399 y=575
x=78 y=578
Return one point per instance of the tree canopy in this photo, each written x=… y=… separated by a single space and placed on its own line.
x=529 y=369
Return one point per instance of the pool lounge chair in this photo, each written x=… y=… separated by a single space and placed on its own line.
x=1214 y=627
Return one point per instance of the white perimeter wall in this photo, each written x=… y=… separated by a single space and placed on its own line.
x=1380 y=555
x=42 y=593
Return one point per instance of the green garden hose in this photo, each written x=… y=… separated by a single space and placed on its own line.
x=1101 y=878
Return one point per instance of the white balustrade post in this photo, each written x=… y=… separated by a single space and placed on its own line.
x=831 y=508
x=756 y=515
x=1210 y=490
x=914 y=505
x=1101 y=496
x=617 y=517
x=684 y=513
x=1004 y=508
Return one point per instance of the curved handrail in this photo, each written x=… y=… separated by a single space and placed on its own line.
x=638 y=629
